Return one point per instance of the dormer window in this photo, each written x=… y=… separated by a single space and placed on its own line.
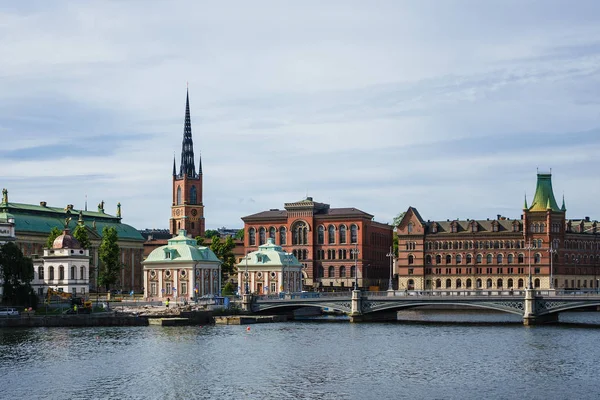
x=434 y=228
x=474 y=227
x=410 y=227
x=168 y=254
x=454 y=227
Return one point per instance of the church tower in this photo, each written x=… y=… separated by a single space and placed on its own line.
x=187 y=210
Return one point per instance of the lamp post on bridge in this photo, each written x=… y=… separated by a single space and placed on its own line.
x=355 y=253
x=391 y=256
x=552 y=251
x=288 y=259
x=529 y=283
x=246 y=277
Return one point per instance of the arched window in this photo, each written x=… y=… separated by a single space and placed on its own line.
x=193 y=195
x=510 y=283
x=438 y=259
x=458 y=259
x=304 y=254
x=479 y=259
x=331 y=272
x=536 y=283
x=537 y=258
x=458 y=283
x=478 y=283
x=252 y=236
x=520 y=284
x=353 y=234
x=521 y=258
x=343 y=234
x=41 y=272
x=61 y=272
x=272 y=233
x=488 y=259
x=352 y=271
x=262 y=236
x=499 y=283
x=299 y=233
x=438 y=283
x=448 y=259
x=331 y=234
x=469 y=283
x=410 y=227
x=73 y=273
x=488 y=283
x=320 y=235
x=499 y=258
x=51 y=274
x=428 y=259
x=510 y=258
x=82 y=273
x=342 y=272
x=282 y=235
x=321 y=272
x=178 y=195
x=411 y=284
x=411 y=259
x=469 y=259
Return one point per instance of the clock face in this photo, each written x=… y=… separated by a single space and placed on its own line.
x=194 y=212
x=177 y=212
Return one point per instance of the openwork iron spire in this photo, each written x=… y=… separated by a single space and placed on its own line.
x=187 y=148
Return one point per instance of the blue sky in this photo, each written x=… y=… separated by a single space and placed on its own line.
x=447 y=106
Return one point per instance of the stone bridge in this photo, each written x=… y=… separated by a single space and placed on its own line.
x=534 y=306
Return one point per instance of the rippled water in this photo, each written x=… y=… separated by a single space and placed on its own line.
x=490 y=360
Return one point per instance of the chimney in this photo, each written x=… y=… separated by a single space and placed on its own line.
x=43 y=203
x=587 y=219
x=498 y=217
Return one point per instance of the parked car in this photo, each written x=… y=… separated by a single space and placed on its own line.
x=8 y=312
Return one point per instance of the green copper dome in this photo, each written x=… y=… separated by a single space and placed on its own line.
x=544 y=196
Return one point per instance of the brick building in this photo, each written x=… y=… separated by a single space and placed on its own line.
x=497 y=253
x=324 y=240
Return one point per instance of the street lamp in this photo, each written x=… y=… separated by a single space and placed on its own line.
x=552 y=252
x=355 y=252
x=529 y=284
x=246 y=277
x=288 y=259
x=391 y=256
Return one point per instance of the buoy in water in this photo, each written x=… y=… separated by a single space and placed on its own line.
x=248 y=328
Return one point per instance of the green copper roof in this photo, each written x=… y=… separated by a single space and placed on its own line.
x=181 y=249
x=544 y=196
x=40 y=219
x=270 y=254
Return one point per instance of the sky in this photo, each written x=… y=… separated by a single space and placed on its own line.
x=447 y=106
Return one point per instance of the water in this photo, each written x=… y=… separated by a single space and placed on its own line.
x=490 y=359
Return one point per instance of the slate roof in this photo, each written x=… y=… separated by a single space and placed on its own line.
x=321 y=212
x=464 y=226
x=181 y=249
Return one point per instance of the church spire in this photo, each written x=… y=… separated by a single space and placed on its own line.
x=174 y=168
x=200 y=164
x=187 y=147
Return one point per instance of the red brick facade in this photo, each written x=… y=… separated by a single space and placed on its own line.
x=324 y=240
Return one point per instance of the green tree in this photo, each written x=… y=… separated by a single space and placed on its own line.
x=211 y=233
x=54 y=233
x=199 y=240
x=17 y=273
x=395 y=243
x=223 y=249
x=82 y=237
x=397 y=219
x=239 y=234
x=228 y=289
x=109 y=258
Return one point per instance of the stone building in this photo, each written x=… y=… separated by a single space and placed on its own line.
x=7 y=233
x=65 y=267
x=33 y=224
x=269 y=270
x=181 y=270
x=332 y=244
x=498 y=253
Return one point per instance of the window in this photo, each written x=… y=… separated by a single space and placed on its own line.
x=537 y=258
x=458 y=259
x=252 y=236
x=520 y=258
x=488 y=284
x=458 y=284
x=321 y=272
x=178 y=195
x=448 y=259
x=352 y=271
x=41 y=272
x=410 y=227
x=499 y=284
x=343 y=234
x=510 y=258
x=353 y=234
x=488 y=259
x=428 y=259
x=448 y=283
x=469 y=259
x=331 y=234
x=479 y=259
x=73 y=273
x=411 y=271
x=300 y=233
x=262 y=233
x=272 y=233
x=499 y=258
x=82 y=273
x=331 y=272
x=153 y=290
x=320 y=235
x=342 y=272
x=168 y=288
x=61 y=272
x=282 y=235
x=411 y=259
x=438 y=259
x=51 y=273
x=193 y=195
x=183 y=288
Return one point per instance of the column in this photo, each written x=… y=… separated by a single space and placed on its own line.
x=176 y=284
x=160 y=283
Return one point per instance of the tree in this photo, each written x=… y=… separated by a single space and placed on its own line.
x=398 y=219
x=224 y=251
x=239 y=234
x=82 y=237
x=17 y=273
x=211 y=233
x=228 y=289
x=109 y=258
x=54 y=233
x=199 y=240
x=395 y=244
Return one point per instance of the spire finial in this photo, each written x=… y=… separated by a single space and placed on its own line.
x=80 y=220
x=174 y=169
x=119 y=210
x=187 y=148
x=525 y=205
x=563 y=208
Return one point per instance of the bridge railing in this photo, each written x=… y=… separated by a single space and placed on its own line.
x=439 y=293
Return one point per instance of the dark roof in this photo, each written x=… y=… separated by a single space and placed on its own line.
x=486 y=225
x=325 y=212
x=155 y=234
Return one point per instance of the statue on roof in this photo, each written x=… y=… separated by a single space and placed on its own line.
x=4 y=195
x=101 y=206
x=80 y=221
x=118 y=210
x=67 y=220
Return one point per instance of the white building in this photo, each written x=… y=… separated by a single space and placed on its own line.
x=65 y=267
x=182 y=270
x=269 y=270
x=7 y=234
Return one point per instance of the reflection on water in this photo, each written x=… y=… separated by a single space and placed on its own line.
x=308 y=360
